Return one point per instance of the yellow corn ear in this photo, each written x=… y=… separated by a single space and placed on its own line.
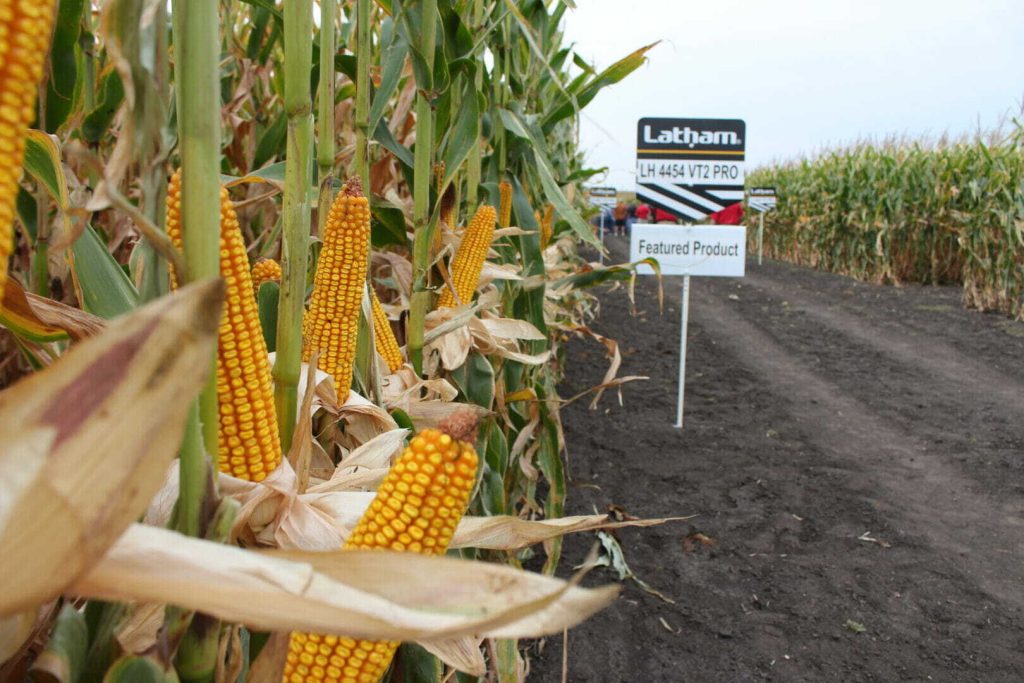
x=505 y=207
x=547 y=226
x=331 y=323
x=265 y=270
x=249 y=446
x=25 y=28
x=384 y=336
x=469 y=258
x=417 y=508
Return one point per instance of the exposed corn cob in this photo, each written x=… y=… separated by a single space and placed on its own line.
x=249 y=446
x=25 y=27
x=417 y=508
x=469 y=259
x=505 y=207
x=331 y=324
x=265 y=270
x=384 y=336
x=547 y=225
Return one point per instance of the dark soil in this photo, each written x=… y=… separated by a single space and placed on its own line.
x=853 y=454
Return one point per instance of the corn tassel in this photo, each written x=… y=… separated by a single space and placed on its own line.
x=265 y=270
x=505 y=207
x=547 y=226
x=25 y=28
x=331 y=324
x=469 y=259
x=416 y=509
x=384 y=336
x=249 y=445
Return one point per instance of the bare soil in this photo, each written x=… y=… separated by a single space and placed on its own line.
x=853 y=454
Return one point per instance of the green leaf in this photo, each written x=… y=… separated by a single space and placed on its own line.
x=103 y=287
x=463 y=137
x=271 y=142
x=42 y=162
x=111 y=96
x=388 y=226
x=273 y=174
x=266 y=299
x=514 y=123
x=598 y=276
x=382 y=134
x=392 y=62
x=583 y=95
x=132 y=669
x=413 y=664
x=63 y=72
x=64 y=656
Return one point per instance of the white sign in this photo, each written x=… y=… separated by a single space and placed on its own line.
x=690 y=168
x=762 y=199
x=603 y=196
x=705 y=250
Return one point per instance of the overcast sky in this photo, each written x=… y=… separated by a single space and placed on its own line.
x=803 y=74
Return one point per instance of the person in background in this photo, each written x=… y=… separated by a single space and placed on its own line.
x=619 y=213
x=643 y=213
x=630 y=217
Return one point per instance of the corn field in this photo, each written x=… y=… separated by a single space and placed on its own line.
x=905 y=211
x=285 y=291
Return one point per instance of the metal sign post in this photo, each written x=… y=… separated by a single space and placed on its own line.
x=682 y=351
x=760 y=237
x=713 y=251
x=603 y=198
x=761 y=200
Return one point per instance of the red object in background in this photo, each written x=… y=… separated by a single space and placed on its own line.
x=730 y=215
x=643 y=212
x=660 y=215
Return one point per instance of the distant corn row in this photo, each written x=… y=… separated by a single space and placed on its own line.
x=908 y=212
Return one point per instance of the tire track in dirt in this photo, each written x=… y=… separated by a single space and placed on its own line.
x=940 y=362
x=916 y=485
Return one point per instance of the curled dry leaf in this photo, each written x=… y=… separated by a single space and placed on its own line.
x=43 y=319
x=377 y=595
x=85 y=444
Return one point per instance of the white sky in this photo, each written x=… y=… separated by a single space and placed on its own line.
x=803 y=74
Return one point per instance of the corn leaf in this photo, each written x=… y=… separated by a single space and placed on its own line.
x=103 y=287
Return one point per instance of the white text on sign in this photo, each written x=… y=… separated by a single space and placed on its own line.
x=714 y=251
x=690 y=172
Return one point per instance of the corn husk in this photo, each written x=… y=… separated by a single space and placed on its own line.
x=84 y=444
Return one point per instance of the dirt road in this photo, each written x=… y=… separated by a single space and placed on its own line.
x=855 y=456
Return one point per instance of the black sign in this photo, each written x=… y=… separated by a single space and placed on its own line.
x=690 y=168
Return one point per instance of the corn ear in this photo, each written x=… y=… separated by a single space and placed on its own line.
x=469 y=258
x=505 y=206
x=265 y=270
x=331 y=323
x=249 y=446
x=25 y=28
x=416 y=509
x=384 y=336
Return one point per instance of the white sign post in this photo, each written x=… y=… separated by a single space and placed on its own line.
x=761 y=200
x=709 y=251
x=604 y=198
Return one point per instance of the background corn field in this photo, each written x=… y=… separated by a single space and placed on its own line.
x=906 y=211
x=420 y=113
